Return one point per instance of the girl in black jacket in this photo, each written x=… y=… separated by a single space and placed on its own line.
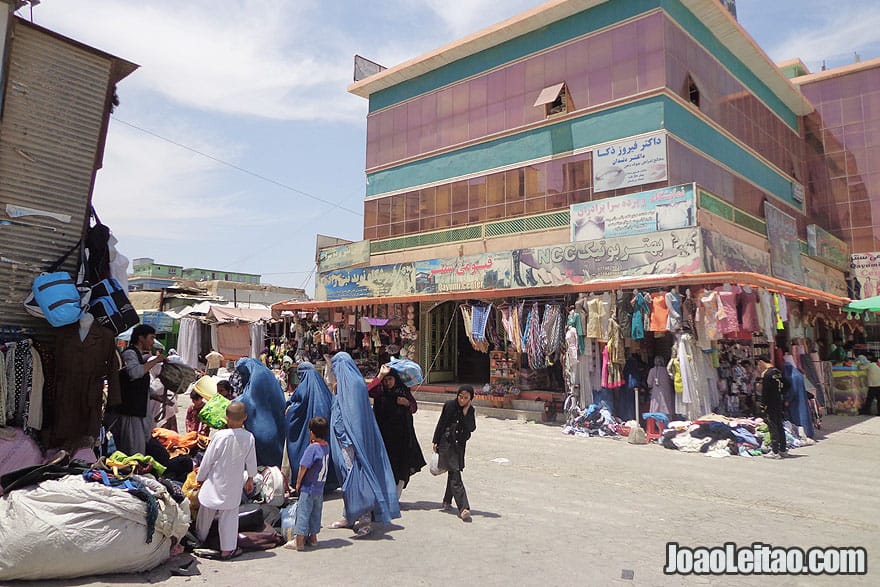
x=453 y=430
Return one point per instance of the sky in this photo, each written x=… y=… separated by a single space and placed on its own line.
x=235 y=142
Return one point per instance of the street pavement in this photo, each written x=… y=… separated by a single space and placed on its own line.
x=550 y=509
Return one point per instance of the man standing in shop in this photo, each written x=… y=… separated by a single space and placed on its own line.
x=773 y=404
x=212 y=362
x=130 y=422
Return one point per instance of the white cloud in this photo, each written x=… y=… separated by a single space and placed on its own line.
x=834 y=37
x=261 y=58
x=150 y=189
x=470 y=16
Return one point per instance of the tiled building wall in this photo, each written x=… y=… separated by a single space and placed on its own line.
x=607 y=66
x=849 y=129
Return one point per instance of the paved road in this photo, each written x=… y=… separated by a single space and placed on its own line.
x=561 y=510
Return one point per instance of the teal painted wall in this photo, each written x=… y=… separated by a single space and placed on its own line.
x=608 y=125
x=570 y=28
x=680 y=121
x=630 y=119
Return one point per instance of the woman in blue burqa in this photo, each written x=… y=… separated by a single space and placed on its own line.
x=358 y=451
x=311 y=398
x=262 y=396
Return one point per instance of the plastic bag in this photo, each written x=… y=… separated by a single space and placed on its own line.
x=214 y=412
x=288 y=521
x=637 y=435
x=434 y=465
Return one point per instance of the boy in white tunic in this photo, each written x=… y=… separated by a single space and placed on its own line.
x=230 y=453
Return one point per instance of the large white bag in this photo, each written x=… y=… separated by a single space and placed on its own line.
x=69 y=528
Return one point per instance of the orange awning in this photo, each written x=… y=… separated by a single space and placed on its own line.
x=790 y=290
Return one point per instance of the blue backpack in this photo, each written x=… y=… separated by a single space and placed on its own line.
x=58 y=298
x=111 y=307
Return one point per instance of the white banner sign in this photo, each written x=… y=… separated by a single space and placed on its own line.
x=630 y=162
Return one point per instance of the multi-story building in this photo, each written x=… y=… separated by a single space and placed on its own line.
x=146 y=267
x=651 y=143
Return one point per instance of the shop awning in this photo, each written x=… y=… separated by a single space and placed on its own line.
x=229 y=314
x=773 y=284
x=866 y=305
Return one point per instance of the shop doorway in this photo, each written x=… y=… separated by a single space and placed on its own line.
x=440 y=342
x=473 y=366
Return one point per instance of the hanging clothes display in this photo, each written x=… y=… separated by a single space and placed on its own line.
x=624 y=313
x=480 y=318
x=23 y=384
x=641 y=310
x=81 y=366
x=688 y=312
x=660 y=384
x=607 y=303
x=707 y=318
x=510 y=321
x=673 y=305
x=659 y=312
x=767 y=314
x=574 y=321
x=551 y=331
x=532 y=339
x=189 y=341
x=727 y=323
x=594 y=321
x=570 y=357
x=748 y=309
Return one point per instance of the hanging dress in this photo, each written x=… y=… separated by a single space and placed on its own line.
x=624 y=314
x=659 y=312
x=640 y=310
x=594 y=321
x=673 y=304
x=729 y=322
x=748 y=309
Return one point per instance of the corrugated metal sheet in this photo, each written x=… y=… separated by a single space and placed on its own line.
x=49 y=135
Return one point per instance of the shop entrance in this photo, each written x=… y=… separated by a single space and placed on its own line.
x=440 y=342
x=473 y=366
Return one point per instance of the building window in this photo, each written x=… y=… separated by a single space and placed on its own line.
x=692 y=91
x=172 y=270
x=555 y=100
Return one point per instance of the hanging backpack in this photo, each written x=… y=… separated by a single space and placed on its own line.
x=54 y=295
x=110 y=306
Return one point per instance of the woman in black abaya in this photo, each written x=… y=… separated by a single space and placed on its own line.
x=394 y=406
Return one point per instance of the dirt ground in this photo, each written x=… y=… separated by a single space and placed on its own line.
x=550 y=509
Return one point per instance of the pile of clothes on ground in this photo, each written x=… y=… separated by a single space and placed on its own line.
x=596 y=420
x=720 y=436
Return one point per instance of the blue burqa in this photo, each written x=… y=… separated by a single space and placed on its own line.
x=264 y=400
x=357 y=448
x=311 y=398
x=798 y=406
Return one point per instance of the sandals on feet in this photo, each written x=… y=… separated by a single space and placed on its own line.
x=340 y=523
x=465 y=515
x=234 y=554
x=364 y=531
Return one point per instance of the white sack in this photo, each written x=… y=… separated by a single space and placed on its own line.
x=71 y=528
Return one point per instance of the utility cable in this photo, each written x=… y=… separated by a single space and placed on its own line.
x=238 y=167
